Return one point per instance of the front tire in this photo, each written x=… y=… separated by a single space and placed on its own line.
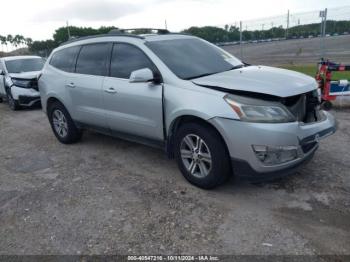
x=13 y=103
x=62 y=124
x=201 y=155
x=327 y=105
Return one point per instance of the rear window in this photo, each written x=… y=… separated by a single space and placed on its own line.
x=24 y=65
x=92 y=59
x=65 y=59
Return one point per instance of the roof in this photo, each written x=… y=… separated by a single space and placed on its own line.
x=144 y=37
x=9 y=58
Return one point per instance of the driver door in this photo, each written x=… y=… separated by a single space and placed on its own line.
x=132 y=108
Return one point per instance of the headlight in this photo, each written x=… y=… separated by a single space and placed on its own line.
x=25 y=83
x=260 y=111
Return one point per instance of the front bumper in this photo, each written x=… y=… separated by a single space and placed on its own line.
x=25 y=96
x=240 y=136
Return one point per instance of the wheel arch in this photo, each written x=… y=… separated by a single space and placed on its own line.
x=52 y=99
x=181 y=120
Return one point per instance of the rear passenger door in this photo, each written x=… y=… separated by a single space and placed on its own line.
x=132 y=108
x=85 y=86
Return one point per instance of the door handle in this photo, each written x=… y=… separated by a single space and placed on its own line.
x=111 y=90
x=71 y=85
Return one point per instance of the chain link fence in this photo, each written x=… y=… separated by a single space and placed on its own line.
x=292 y=38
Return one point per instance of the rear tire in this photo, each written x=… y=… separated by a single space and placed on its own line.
x=206 y=163
x=1 y=100
x=62 y=124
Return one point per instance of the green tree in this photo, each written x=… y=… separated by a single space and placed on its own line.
x=9 y=40
x=3 y=41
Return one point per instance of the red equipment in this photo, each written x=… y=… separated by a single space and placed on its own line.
x=330 y=89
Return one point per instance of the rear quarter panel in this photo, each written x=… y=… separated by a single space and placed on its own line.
x=52 y=85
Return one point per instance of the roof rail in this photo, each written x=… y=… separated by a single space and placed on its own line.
x=114 y=32
x=159 y=31
x=129 y=32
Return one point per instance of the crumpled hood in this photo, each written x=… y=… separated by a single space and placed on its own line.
x=261 y=79
x=25 y=75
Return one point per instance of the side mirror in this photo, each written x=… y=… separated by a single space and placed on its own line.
x=141 y=76
x=2 y=72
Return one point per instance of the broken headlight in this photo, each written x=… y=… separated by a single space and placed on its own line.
x=25 y=83
x=259 y=111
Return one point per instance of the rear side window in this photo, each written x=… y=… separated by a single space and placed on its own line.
x=92 y=59
x=65 y=59
x=127 y=58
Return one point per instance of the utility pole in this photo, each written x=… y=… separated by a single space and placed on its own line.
x=324 y=22
x=166 y=26
x=287 y=24
x=68 y=31
x=240 y=39
x=323 y=15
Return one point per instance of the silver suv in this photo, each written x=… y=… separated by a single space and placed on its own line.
x=213 y=113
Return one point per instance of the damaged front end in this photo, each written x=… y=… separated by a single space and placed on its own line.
x=306 y=108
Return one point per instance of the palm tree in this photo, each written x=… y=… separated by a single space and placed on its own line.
x=17 y=40
x=22 y=40
x=9 y=39
x=2 y=42
x=28 y=41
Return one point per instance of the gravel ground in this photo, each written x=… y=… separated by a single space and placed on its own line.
x=299 y=51
x=108 y=196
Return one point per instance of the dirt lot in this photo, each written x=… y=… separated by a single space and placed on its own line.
x=108 y=196
x=299 y=51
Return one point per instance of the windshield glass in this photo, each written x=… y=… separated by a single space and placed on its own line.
x=192 y=58
x=24 y=65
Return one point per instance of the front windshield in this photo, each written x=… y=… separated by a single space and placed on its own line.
x=24 y=65
x=192 y=58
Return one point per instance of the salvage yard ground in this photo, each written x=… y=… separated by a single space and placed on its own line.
x=108 y=196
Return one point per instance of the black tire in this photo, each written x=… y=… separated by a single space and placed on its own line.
x=1 y=100
x=220 y=161
x=13 y=103
x=72 y=134
x=327 y=105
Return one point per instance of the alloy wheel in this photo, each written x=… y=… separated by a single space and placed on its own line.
x=60 y=123
x=195 y=155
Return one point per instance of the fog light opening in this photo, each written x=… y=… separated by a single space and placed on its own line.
x=274 y=155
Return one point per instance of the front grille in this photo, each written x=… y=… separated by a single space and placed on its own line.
x=26 y=100
x=304 y=107
x=34 y=84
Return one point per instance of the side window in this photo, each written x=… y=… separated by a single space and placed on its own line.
x=2 y=67
x=65 y=59
x=92 y=59
x=127 y=58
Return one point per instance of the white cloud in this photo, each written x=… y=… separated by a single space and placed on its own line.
x=88 y=10
x=39 y=18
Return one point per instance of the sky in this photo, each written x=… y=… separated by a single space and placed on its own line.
x=39 y=18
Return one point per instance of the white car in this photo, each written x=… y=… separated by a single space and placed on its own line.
x=19 y=80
